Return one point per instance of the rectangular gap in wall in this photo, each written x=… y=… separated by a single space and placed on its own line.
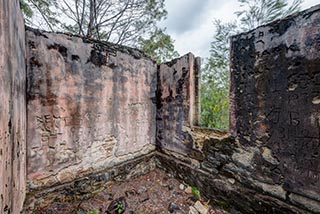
x=215 y=95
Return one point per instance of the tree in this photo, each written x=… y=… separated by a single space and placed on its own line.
x=159 y=46
x=117 y=21
x=215 y=78
x=259 y=12
x=26 y=9
x=39 y=13
x=130 y=22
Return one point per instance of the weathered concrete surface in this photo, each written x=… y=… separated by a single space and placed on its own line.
x=178 y=103
x=90 y=107
x=276 y=89
x=12 y=108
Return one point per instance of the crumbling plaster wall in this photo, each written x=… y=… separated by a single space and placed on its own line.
x=91 y=106
x=269 y=163
x=12 y=108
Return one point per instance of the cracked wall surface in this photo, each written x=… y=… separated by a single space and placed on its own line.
x=90 y=107
x=12 y=108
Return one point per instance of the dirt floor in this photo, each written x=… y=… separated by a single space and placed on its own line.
x=153 y=193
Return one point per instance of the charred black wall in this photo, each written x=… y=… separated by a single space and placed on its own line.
x=275 y=76
x=269 y=162
x=178 y=103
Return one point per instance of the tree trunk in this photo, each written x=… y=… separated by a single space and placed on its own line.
x=91 y=19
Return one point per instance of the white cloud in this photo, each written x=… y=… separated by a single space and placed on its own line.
x=183 y=15
x=197 y=39
x=309 y=3
x=190 y=22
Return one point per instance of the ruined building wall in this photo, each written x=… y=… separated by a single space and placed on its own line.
x=12 y=108
x=97 y=111
x=276 y=94
x=90 y=107
x=178 y=103
x=269 y=163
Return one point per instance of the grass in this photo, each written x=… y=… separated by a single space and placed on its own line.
x=92 y=212
x=195 y=192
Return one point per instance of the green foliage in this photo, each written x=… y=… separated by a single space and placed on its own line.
x=195 y=192
x=93 y=212
x=119 y=208
x=159 y=46
x=40 y=10
x=121 y=22
x=129 y=22
x=26 y=9
x=215 y=80
x=259 y=12
x=215 y=75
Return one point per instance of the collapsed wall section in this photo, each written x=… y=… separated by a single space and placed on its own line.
x=90 y=107
x=12 y=108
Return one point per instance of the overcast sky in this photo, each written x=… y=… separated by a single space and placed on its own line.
x=190 y=22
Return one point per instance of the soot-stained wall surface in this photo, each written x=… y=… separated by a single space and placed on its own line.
x=269 y=162
x=178 y=103
x=12 y=108
x=90 y=107
x=276 y=103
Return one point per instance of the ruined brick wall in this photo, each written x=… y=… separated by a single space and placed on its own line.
x=276 y=94
x=12 y=108
x=269 y=163
x=96 y=111
x=178 y=103
x=90 y=107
